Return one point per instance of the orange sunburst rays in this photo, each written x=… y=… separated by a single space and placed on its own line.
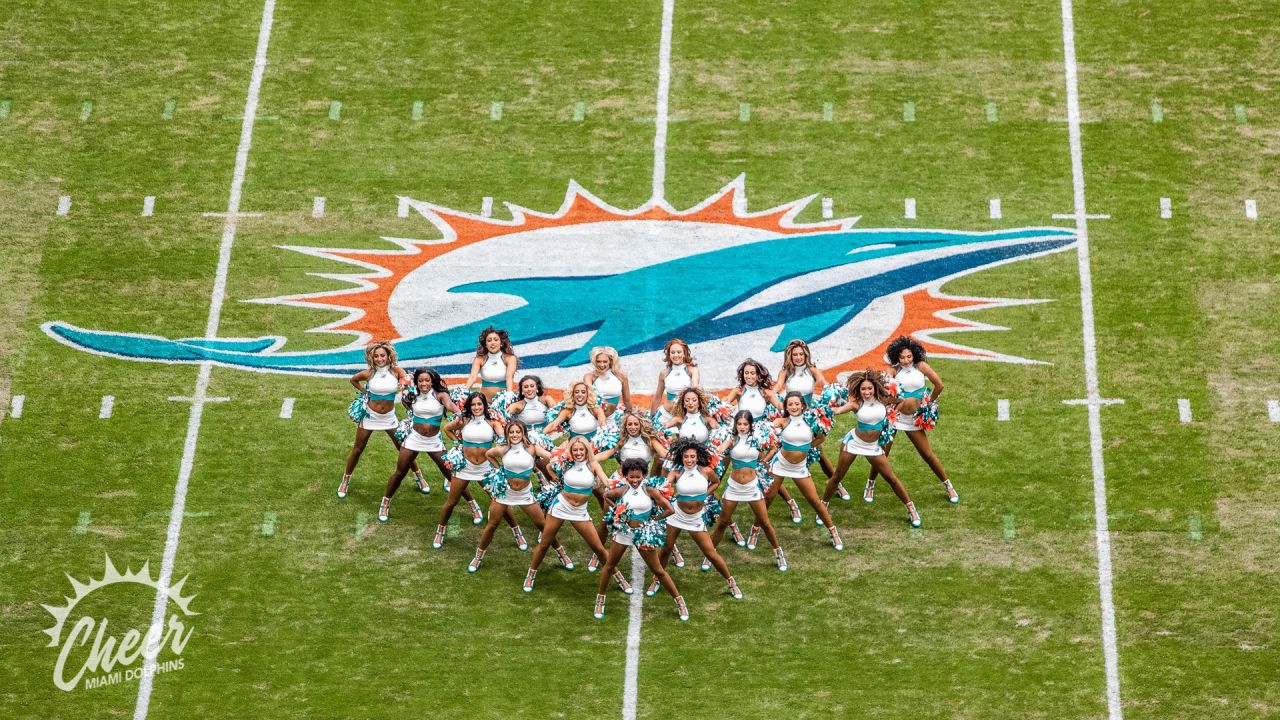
x=926 y=310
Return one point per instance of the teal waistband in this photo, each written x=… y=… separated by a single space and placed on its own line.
x=868 y=427
x=639 y=517
x=611 y=398
x=519 y=475
x=573 y=434
x=388 y=396
x=419 y=420
x=739 y=464
x=493 y=383
x=797 y=448
x=576 y=491
x=468 y=443
x=692 y=498
x=672 y=396
x=917 y=394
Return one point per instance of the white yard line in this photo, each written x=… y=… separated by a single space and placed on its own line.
x=1273 y=411
x=199 y=397
x=635 y=615
x=107 y=407
x=909 y=208
x=317 y=207
x=286 y=409
x=1102 y=535
x=660 y=113
x=1184 y=410
x=148 y=206
x=1002 y=410
x=994 y=209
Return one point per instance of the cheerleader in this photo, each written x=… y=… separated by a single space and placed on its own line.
x=580 y=479
x=494 y=365
x=690 y=420
x=910 y=371
x=427 y=409
x=581 y=412
x=799 y=431
x=641 y=504
x=800 y=374
x=607 y=379
x=379 y=385
x=693 y=482
x=746 y=455
x=475 y=431
x=681 y=372
x=510 y=484
x=870 y=401
x=755 y=395
x=637 y=441
x=532 y=406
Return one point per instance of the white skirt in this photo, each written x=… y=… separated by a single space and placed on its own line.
x=905 y=422
x=516 y=498
x=379 y=421
x=782 y=468
x=623 y=537
x=685 y=521
x=418 y=442
x=572 y=513
x=472 y=472
x=742 y=492
x=857 y=446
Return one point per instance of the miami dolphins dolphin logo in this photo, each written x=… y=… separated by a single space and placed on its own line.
x=730 y=282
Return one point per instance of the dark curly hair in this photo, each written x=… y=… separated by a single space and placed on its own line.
x=680 y=445
x=536 y=381
x=876 y=378
x=900 y=343
x=763 y=378
x=633 y=464
x=506 y=349
x=437 y=382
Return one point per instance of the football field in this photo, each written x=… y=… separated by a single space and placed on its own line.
x=205 y=204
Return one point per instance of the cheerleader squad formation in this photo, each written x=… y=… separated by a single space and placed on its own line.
x=548 y=457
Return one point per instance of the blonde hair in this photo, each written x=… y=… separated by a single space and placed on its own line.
x=615 y=363
x=591 y=395
x=392 y=361
x=591 y=451
x=646 y=429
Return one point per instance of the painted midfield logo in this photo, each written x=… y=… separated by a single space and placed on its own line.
x=732 y=283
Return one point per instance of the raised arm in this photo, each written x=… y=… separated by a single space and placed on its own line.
x=626 y=389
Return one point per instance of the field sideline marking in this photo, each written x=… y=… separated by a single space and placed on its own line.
x=64 y=205
x=108 y=405
x=1273 y=411
x=199 y=398
x=1251 y=209
x=1102 y=534
x=909 y=208
x=994 y=209
x=317 y=206
x=1002 y=410
x=15 y=406
x=1166 y=208
x=148 y=206
x=286 y=409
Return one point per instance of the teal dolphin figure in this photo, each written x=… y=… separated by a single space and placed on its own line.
x=691 y=297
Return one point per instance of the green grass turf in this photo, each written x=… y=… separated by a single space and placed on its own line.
x=957 y=621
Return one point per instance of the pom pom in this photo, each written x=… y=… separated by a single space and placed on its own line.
x=719 y=409
x=927 y=414
x=606 y=438
x=711 y=510
x=403 y=429
x=652 y=535
x=459 y=397
x=536 y=437
x=546 y=497
x=501 y=402
x=495 y=483
x=455 y=459
x=661 y=485
x=357 y=410
x=616 y=519
x=887 y=431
